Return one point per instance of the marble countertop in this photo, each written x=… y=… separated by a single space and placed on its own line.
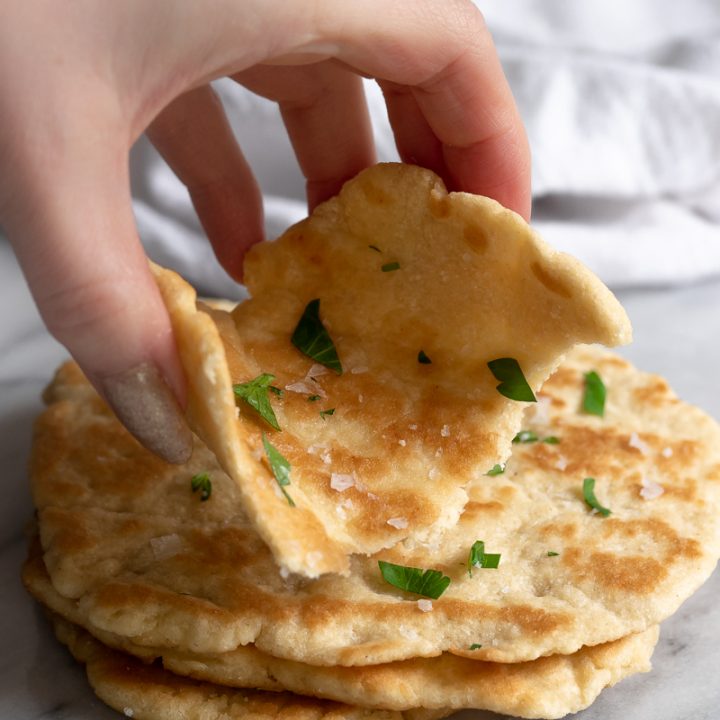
x=677 y=333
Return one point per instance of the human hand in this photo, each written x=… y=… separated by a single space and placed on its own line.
x=79 y=82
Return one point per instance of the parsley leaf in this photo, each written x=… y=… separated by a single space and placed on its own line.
x=313 y=398
x=551 y=440
x=278 y=391
x=552 y=553
x=590 y=499
x=594 y=396
x=429 y=583
x=513 y=384
x=480 y=559
x=202 y=482
x=525 y=436
x=312 y=339
x=496 y=469
x=475 y=646
x=423 y=359
x=255 y=394
x=325 y=413
x=390 y=267
x=280 y=467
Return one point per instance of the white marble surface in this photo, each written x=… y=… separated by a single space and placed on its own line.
x=677 y=333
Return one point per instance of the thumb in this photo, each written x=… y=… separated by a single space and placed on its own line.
x=73 y=231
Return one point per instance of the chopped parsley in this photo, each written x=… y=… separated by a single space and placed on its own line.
x=475 y=646
x=428 y=583
x=326 y=413
x=552 y=553
x=496 y=469
x=313 y=398
x=312 y=339
x=202 y=482
x=375 y=248
x=280 y=467
x=513 y=384
x=278 y=391
x=528 y=436
x=423 y=359
x=480 y=559
x=593 y=401
x=390 y=267
x=255 y=394
x=590 y=499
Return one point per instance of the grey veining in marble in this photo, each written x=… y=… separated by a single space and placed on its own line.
x=677 y=333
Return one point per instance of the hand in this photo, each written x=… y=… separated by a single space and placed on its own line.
x=80 y=81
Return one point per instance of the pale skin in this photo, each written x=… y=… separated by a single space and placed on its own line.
x=80 y=81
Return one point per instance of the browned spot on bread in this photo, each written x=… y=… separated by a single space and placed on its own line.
x=656 y=392
x=439 y=204
x=374 y=194
x=552 y=283
x=475 y=238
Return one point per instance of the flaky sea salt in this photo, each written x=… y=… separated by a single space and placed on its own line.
x=561 y=463
x=433 y=473
x=425 y=605
x=650 y=489
x=313 y=558
x=445 y=432
x=305 y=388
x=341 y=481
x=398 y=522
x=284 y=573
x=359 y=370
x=316 y=371
x=412 y=427
x=128 y=712
x=635 y=441
x=166 y=546
x=541 y=410
x=326 y=457
x=402 y=443
x=667 y=452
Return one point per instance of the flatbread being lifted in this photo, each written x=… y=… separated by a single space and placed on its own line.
x=390 y=345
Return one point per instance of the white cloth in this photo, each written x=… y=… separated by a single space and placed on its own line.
x=622 y=105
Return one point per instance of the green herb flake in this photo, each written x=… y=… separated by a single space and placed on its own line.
x=525 y=436
x=202 y=482
x=326 y=413
x=513 y=384
x=390 y=267
x=375 y=248
x=255 y=394
x=423 y=359
x=313 y=398
x=312 y=339
x=278 y=391
x=475 y=646
x=496 y=469
x=280 y=467
x=590 y=499
x=551 y=440
x=593 y=401
x=478 y=558
x=552 y=553
x=428 y=583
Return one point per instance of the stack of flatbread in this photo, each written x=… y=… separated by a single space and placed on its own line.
x=415 y=487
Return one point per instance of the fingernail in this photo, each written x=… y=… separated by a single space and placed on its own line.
x=147 y=407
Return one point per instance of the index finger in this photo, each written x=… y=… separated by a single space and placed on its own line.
x=448 y=99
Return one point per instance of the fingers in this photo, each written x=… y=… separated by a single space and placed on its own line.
x=324 y=110
x=440 y=72
x=194 y=137
x=73 y=232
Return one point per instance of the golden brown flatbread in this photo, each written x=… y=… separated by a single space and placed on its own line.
x=418 y=290
x=144 y=558
x=549 y=687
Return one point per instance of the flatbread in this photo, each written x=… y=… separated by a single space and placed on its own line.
x=398 y=266
x=147 y=692
x=546 y=688
x=144 y=558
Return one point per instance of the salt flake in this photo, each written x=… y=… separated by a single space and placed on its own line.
x=341 y=481
x=425 y=605
x=398 y=522
x=638 y=443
